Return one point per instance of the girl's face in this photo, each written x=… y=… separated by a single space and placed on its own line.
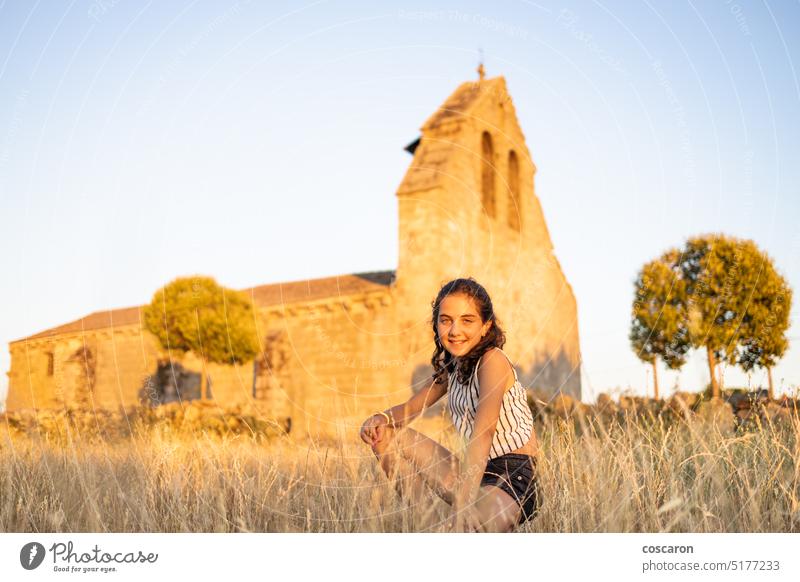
x=459 y=325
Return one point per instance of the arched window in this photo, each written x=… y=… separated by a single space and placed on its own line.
x=487 y=174
x=514 y=208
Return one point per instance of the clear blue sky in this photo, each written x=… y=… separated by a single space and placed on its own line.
x=142 y=141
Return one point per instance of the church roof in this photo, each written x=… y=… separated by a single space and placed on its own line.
x=262 y=295
x=460 y=101
x=96 y=320
x=434 y=150
x=278 y=293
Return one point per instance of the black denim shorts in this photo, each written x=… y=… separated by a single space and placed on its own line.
x=515 y=474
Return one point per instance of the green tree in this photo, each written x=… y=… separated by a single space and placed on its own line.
x=763 y=330
x=729 y=282
x=196 y=314
x=658 y=316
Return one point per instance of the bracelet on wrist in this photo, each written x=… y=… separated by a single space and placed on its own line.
x=389 y=419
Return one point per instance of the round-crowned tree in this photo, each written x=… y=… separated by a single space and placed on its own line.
x=657 y=315
x=197 y=314
x=763 y=339
x=737 y=304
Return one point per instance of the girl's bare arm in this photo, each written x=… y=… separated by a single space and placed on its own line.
x=494 y=376
x=406 y=412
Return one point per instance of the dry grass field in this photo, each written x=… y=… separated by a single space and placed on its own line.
x=632 y=474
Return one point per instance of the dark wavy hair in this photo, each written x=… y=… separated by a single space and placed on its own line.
x=442 y=360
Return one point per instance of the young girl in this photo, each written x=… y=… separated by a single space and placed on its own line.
x=495 y=487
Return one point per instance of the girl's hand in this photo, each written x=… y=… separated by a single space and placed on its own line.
x=373 y=429
x=464 y=519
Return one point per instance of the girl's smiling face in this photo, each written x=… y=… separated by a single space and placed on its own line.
x=459 y=324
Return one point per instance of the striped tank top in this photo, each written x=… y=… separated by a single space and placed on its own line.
x=515 y=425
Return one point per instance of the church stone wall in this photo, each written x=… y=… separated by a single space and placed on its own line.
x=343 y=360
x=328 y=362
x=29 y=383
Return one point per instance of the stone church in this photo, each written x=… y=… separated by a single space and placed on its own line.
x=336 y=348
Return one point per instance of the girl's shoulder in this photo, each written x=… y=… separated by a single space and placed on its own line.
x=495 y=353
x=497 y=357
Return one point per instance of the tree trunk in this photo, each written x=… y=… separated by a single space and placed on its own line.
x=655 y=378
x=771 y=387
x=711 y=369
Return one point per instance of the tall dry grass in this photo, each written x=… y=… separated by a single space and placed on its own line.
x=630 y=475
